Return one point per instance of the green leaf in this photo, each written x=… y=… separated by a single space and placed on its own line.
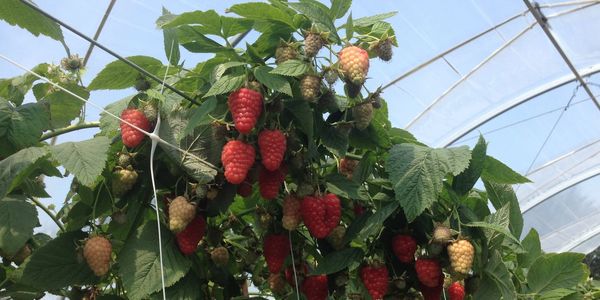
x=342 y=186
x=109 y=125
x=499 y=195
x=465 y=181
x=14 y=12
x=495 y=171
x=338 y=261
x=85 y=159
x=22 y=126
x=17 y=220
x=554 y=271
x=496 y=282
x=64 y=108
x=225 y=84
x=349 y=27
x=318 y=15
x=365 y=167
x=272 y=81
x=233 y=26
x=339 y=8
x=532 y=246
x=493 y=227
x=262 y=11
x=193 y=39
x=368 y=21
x=222 y=68
x=201 y=115
x=291 y=68
x=56 y=264
x=375 y=221
x=335 y=142
x=209 y=20
x=139 y=264
x=417 y=174
x=171 y=42
x=15 y=168
x=303 y=115
x=185 y=289
x=118 y=75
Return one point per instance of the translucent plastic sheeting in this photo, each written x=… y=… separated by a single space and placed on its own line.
x=568 y=220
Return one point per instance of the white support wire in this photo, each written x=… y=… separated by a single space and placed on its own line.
x=294 y=265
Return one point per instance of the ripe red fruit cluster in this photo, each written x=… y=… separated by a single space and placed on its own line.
x=404 y=247
x=429 y=271
x=188 y=238
x=131 y=136
x=456 y=291
x=321 y=214
x=354 y=62
x=291 y=212
x=269 y=182
x=276 y=248
x=432 y=293
x=375 y=279
x=237 y=157
x=97 y=252
x=272 y=145
x=347 y=166
x=315 y=287
x=245 y=105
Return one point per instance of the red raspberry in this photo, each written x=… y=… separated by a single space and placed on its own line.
x=97 y=252
x=291 y=212
x=188 y=239
x=456 y=291
x=237 y=157
x=131 y=136
x=272 y=145
x=358 y=209
x=321 y=214
x=432 y=293
x=301 y=271
x=354 y=62
x=315 y=287
x=429 y=272
x=269 y=182
x=245 y=188
x=347 y=166
x=404 y=247
x=375 y=279
x=276 y=248
x=245 y=105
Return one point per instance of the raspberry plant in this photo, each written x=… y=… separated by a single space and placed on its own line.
x=284 y=175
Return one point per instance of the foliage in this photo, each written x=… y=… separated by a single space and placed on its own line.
x=399 y=185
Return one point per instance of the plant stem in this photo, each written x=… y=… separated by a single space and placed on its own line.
x=48 y=212
x=67 y=129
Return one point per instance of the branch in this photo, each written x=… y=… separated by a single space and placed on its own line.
x=64 y=130
x=49 y=213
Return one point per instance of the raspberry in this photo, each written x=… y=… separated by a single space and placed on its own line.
x=72 y=63
x=441 y=234
x=429 y=272
x=123 y=180
x=291 y=213
x=347 y=166
x=97 y=252
x=363 y=114
x=301 y=271
x=312 y=44
x=404 y=247
x=375 y=278
x=432 y=293
x=336 y=237
x=237 y=157
x=245 y=189
x=181 y=213
x=272 y=145
x=384 y=50
x=245 y=105
x=358 y=209
x=220 y=256
x=124 y=159
x=354 y=63
x=321 y=214
x=461 y=255
x=331 y=76
x=188 y=239
x=456 y=291
x=277 y=284
x=315 y=287
x=276 y=248
x=264 y=219
x=131 y=136
x=310 y=86
x=269 y=182
x=285 y=53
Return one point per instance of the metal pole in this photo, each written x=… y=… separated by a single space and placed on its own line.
x=100 y=27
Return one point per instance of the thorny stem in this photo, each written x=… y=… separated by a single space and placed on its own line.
x=48 y=212
x=67 y=129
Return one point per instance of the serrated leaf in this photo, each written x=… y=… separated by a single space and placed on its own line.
x=171 y=42
x=56 y=264
x=272 y=81
x=496 y=171
x=139 y=264
x=494 y=227
x=22 y=126
x=417 y=174
x=201 y=115
x=14 y=12
x=17 y=220
x=349 y=27
x=225 y=84
x=335 y=142
x=193 y=39
x=17 y=167
x=342 y=186
x=465 y=181
x=317 y=14
x=500 y=195
x=339 y=8
x=184 y=289
x=222 y=68
x=338 y=261
x=109 y=125
x=554 y=271
x=233 y=26
x=64 y=108
x=209 y=20
x=118 y=75
x=533 y=249
x=291 y=67
x=375 y=221
x=262 y=11
x=496 y=282
x=303 y=114
x=85 y=159
x=368 y=21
